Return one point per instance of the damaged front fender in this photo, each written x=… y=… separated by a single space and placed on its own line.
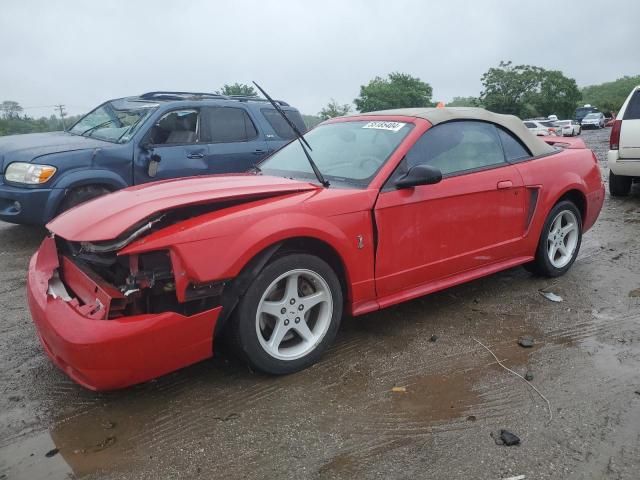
x=114 y=353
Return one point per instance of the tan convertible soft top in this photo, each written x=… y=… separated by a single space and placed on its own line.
x=441 y=115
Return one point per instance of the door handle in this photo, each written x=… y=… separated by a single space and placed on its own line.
x=258 y=152
x=505 y=184
x=195 y=155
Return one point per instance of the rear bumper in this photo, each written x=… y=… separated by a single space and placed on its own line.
x=627 y=167
x=112 y=354
x=34 y=206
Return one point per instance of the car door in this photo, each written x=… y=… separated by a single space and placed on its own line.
x=630 y=128
x=475 y=216
x=234 y=143
x=171 y=148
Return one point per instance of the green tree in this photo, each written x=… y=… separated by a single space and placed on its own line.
x=238 y=89
x=399 y=90
x=10 y=109
x=610 y=96
x=527 y=90
x=508 y=88
x=465 y=102
x=334 y=109
x=25 y=124
x=556 y=94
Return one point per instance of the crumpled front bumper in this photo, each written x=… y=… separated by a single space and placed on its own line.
x=116 y=353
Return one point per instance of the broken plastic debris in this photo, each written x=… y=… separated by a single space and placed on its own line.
x=509 y=438
x=51 y=453
x=526 y=341
x=551 y=296
x=517 y=477
x=399 y=389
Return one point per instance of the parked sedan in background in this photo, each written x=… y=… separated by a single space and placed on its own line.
x=385 y=207
x=569 y=128
x=542 y=127
x=593 y=120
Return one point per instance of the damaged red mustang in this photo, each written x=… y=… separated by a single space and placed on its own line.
x=364 y=212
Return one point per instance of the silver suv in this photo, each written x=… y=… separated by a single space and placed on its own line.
x=624 y=146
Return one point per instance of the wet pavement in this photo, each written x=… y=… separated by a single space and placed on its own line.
x=342 y=418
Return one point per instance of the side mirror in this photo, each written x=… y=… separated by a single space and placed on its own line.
x=419 y=175
x=147 y=147
x=154 y=162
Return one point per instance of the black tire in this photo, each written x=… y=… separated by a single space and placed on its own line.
x=542 y=264
x=80 y=195
x=619 y=185
x=244 y=323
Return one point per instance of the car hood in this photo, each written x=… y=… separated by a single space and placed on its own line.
x=107 y=217
x=27 y=147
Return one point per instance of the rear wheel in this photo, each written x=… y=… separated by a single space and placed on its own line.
x=559 y=242
x=81 y=195
x=619 y=185
x=289 y=315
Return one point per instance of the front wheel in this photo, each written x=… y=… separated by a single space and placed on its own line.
x=289 y=315
x=81 y=195
x=559 y=242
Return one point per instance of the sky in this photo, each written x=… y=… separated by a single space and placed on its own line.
x=81 y=53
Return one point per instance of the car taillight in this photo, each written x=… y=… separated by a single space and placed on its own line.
x=614 y=139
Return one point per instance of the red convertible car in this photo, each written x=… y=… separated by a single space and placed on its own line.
x=382 y=208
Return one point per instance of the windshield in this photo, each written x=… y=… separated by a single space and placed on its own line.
x=563 y=123
x=546 y=124
x=350 y=152
x=114 y=121
x=593 y=115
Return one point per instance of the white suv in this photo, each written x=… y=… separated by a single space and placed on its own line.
x=624 y=146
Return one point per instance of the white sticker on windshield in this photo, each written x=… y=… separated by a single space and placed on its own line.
x=393 y=126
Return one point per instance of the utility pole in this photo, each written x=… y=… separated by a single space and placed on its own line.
x=62 y=114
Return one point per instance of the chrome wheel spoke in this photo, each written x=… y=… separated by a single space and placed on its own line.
x=277 y=335
x=314 y=299
x=291 y=289
x=562 y=249
x=568 y=228
x=303 y=329
x=272 y=308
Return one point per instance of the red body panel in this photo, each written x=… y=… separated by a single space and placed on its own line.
x=107 y=217
x=393 y=245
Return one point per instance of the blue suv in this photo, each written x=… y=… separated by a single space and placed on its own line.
x=133 y=140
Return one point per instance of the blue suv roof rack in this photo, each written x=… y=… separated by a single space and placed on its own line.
x=169 y=95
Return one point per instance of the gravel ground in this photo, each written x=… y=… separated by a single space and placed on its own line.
x=340 y=418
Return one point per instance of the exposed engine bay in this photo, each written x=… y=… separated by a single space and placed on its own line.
x=142 y=283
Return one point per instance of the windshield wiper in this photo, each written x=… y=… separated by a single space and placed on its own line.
x=95 y=127
x=299 y=135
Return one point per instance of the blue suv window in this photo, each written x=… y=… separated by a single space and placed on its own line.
x=282 y=129
x=226 y=125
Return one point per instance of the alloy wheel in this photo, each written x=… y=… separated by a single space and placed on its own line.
x=294 y=314
x=562 y=239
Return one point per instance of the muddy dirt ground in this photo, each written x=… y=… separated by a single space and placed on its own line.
x=340 y=418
